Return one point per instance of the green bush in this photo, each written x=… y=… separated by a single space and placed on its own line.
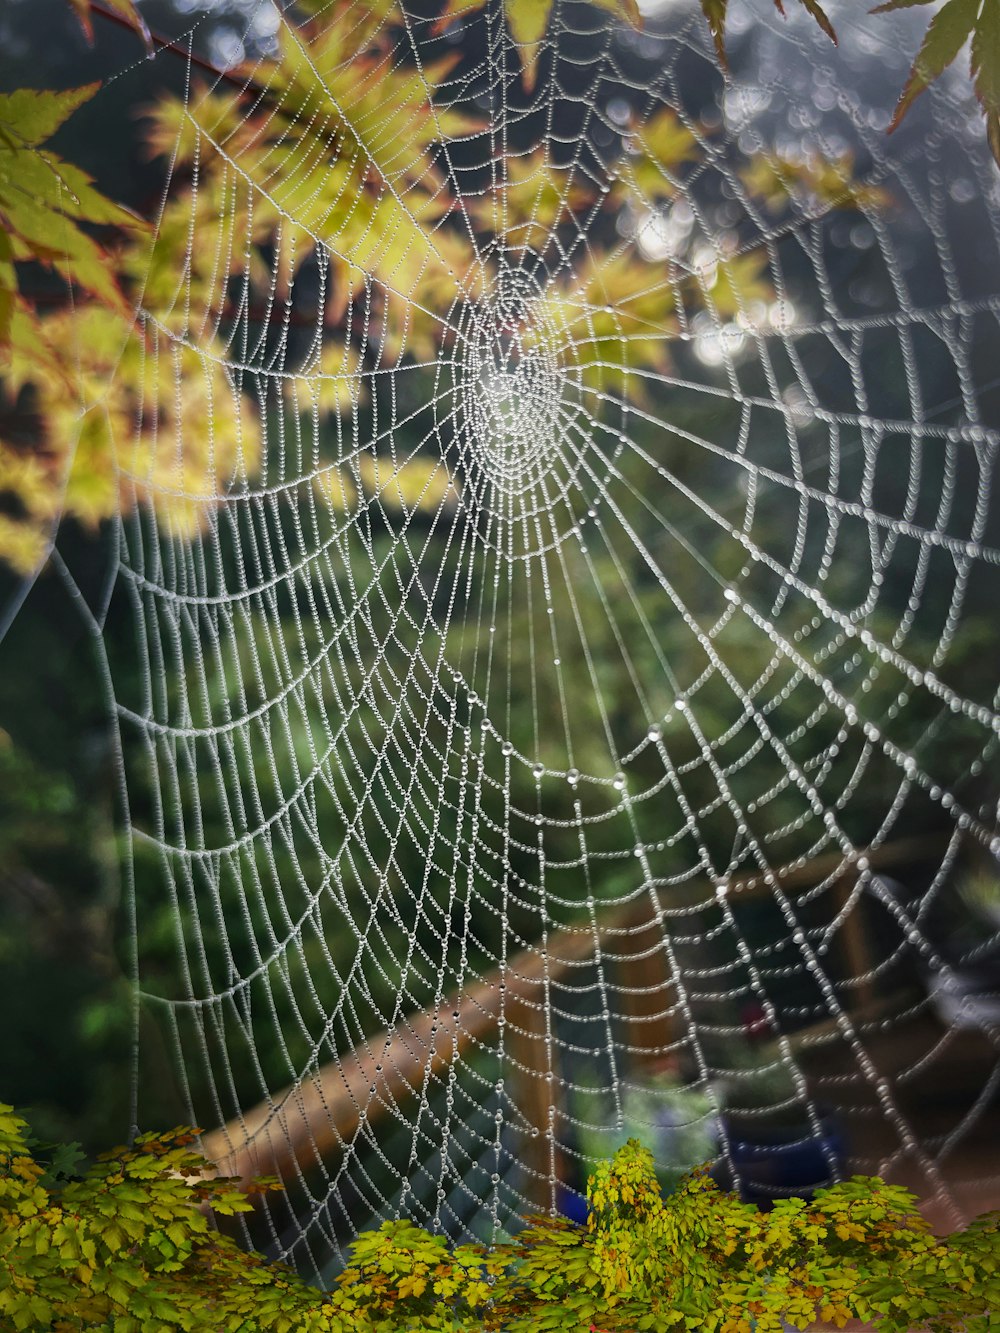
x=126 y=1245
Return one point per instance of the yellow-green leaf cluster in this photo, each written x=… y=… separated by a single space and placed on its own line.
x=655 y=152
x=534 y=198
x=332 y=153
x=816 y=184
x=115 y=432
x=618 y=315
x=126 y=1245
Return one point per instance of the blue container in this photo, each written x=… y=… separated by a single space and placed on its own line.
x=572 y=1204
x=777 y=1161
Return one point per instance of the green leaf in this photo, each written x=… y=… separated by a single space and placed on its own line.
x=8 y=292
x=993 y=134
x=945 y=37
x=33 y=115
x=985 y=59
x=715 y=13
x=65 y=1159
x=899 y=4
x=817 y=12
x=948 y=32
x=41 y=200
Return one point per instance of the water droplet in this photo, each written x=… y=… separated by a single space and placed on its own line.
x=573 y=776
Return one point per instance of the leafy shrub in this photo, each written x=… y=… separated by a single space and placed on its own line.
x=126 y=1245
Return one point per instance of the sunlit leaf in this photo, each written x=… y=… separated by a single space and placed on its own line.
x=335 y=488
x=42 y=200
x=532 y=198
x=93 y=378
x=620 y=315
x=528 y=21
x=30 y=115
x=8 y=293
x=415 y=484
x=653 y=154
x=737 y=282
x=333 y=385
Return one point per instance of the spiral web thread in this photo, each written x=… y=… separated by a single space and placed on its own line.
x=576 y=615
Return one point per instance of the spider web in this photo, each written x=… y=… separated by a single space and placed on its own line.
x=524 y=741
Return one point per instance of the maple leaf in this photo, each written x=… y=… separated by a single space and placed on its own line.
x=946 y=35
x=816 y=183
x=528 y=21
x=715 y=15
x=123 y=10
x=42 y=201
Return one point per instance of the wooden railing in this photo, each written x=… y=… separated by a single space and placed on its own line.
x=306 y=1124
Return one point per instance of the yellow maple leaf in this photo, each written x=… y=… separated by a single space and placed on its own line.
x=528 y=21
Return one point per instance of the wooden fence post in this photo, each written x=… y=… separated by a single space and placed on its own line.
x=647 y=991
x=531 y=1078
